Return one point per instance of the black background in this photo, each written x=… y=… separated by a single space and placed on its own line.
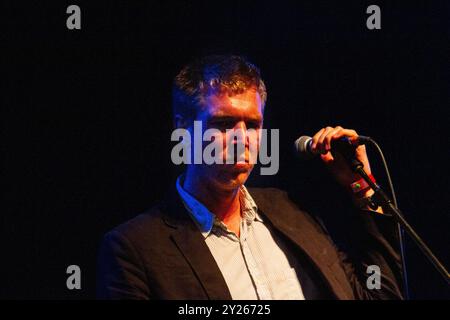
x=87 y=119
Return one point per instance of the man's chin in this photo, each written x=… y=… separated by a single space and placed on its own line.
x=241 y=168
x=236 y=175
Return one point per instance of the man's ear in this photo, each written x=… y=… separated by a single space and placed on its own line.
x=180 y=122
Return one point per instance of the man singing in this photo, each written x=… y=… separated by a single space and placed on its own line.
x=212 y=238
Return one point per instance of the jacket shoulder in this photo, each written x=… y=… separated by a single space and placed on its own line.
x=142 y=226
x=274 y=199
x=268 y=193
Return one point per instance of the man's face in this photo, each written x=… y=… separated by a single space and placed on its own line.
x=239 y=112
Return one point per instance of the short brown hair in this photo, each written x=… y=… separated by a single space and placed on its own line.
x=217 y=73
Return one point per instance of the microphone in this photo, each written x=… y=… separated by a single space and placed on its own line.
x=343 y=145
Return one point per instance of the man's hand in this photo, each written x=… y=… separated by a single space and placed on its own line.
x=321 y=142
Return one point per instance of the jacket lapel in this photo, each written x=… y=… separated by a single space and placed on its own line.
x=284 y=216
x=303 y=232
x=191 y=243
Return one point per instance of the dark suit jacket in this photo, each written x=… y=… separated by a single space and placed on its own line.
x=161 y=254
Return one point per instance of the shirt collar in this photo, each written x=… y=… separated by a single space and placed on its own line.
x=205 y=219
x=248 y=205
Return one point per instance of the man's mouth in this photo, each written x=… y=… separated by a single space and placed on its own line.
x=241 y=167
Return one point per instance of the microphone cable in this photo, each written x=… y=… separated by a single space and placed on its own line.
x=399 y=228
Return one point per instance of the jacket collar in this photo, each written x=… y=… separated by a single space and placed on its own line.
x=205 y=219
x=192 y=245
x=298 y=228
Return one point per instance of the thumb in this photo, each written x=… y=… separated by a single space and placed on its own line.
x=327 y=158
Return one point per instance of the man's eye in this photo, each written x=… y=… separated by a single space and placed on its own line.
x=222 y=124
x=252 y=125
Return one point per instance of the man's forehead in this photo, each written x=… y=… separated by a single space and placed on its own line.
x=247 y=102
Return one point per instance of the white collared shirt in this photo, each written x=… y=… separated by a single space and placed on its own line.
x=253 y=265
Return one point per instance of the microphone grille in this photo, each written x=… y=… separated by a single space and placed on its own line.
x=301 y=146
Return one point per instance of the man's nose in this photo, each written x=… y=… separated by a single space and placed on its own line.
x=241 y=130
x=240 y=125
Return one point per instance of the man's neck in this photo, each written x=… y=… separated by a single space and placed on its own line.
x=224 y=204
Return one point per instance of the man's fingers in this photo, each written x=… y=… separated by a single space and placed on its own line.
x=315 y=138
x=337 y=133
x=322 y=140
x=320 y=145
x=331 y=136
x=352 y=134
